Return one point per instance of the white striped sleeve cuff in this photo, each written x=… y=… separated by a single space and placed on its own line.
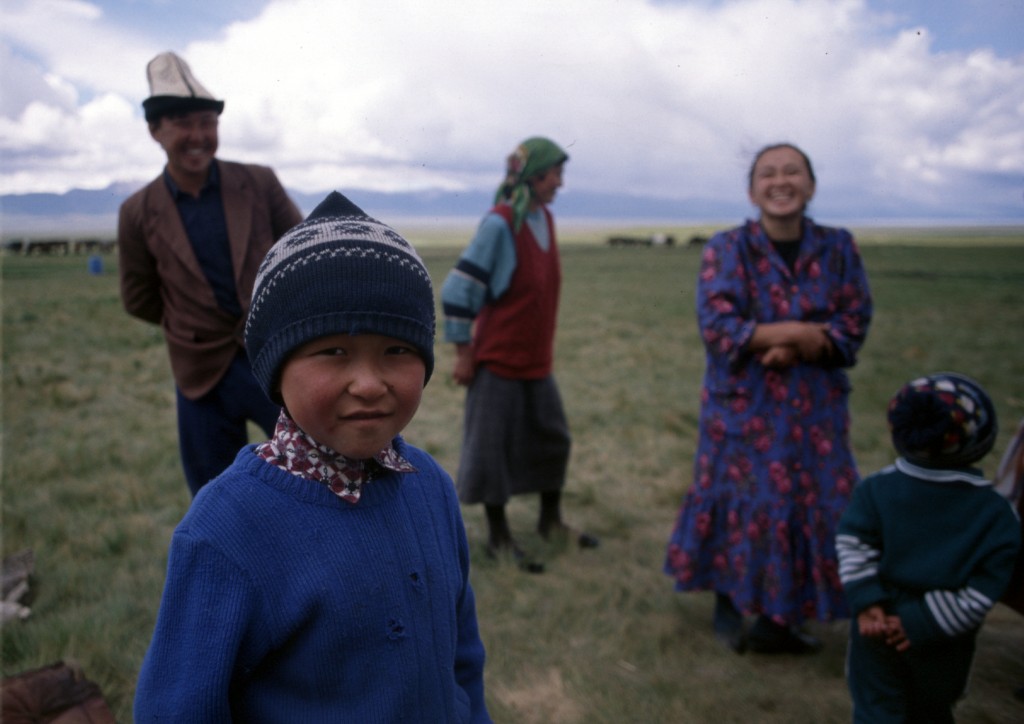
x=857 y=560
x=958 y=612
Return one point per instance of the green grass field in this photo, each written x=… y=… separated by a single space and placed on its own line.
x=92 y=483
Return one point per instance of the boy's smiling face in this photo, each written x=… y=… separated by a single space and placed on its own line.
x=353 y=393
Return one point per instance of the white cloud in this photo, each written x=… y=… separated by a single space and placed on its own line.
x=668 y=99
x=73 y=40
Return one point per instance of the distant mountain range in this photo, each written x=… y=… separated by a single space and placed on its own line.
x=94 y=212
x=83 y=213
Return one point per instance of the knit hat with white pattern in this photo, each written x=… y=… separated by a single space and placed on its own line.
x=943 y=420
x=338 y=272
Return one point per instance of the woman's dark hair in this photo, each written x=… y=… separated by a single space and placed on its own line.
x=772 y=147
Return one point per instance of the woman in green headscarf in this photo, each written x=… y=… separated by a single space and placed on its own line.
x=500 y=307
x=523 y=169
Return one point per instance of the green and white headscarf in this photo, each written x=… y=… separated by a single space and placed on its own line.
x=531 y=158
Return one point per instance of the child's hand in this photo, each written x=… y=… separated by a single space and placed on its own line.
x=871 y=622
x=895 y=636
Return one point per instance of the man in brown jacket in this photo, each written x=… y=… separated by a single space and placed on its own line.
x=190 y=243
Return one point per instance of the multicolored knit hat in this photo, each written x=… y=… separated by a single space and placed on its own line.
x=943 y=420
x=531 y=158
x=338 y=272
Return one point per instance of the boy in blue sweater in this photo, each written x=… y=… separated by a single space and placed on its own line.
x=324 y=576
x=926 y=548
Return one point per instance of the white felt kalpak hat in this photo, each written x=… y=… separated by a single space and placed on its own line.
x=173 y=89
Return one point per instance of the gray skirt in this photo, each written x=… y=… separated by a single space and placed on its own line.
x=515 y=439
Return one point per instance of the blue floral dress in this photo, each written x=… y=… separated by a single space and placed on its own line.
x=773 y=470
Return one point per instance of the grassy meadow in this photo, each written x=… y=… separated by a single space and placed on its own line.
x=92 y=482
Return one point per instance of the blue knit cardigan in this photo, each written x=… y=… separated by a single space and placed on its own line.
x=284 y=603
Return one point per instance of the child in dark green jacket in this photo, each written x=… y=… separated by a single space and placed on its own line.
x=926 y=548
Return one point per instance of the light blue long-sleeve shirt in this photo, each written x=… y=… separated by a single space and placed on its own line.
x=484 y=272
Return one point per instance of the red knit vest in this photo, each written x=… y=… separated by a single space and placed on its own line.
x=515 y=336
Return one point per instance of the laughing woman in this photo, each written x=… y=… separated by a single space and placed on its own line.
x=783 y=306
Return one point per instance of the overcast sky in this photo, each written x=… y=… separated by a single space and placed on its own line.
x=903 y=105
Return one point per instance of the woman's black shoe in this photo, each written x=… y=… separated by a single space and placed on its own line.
x=728 y=622
x=515 y=553
x=562 y=532
x=768 y=637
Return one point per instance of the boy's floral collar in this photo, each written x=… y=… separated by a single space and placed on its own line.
x=293 y=450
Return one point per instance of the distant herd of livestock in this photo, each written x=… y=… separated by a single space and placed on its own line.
x=63 y=246
x=59 y=246
x=653 y=240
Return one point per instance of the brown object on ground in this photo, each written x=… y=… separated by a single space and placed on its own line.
x=55 y=694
